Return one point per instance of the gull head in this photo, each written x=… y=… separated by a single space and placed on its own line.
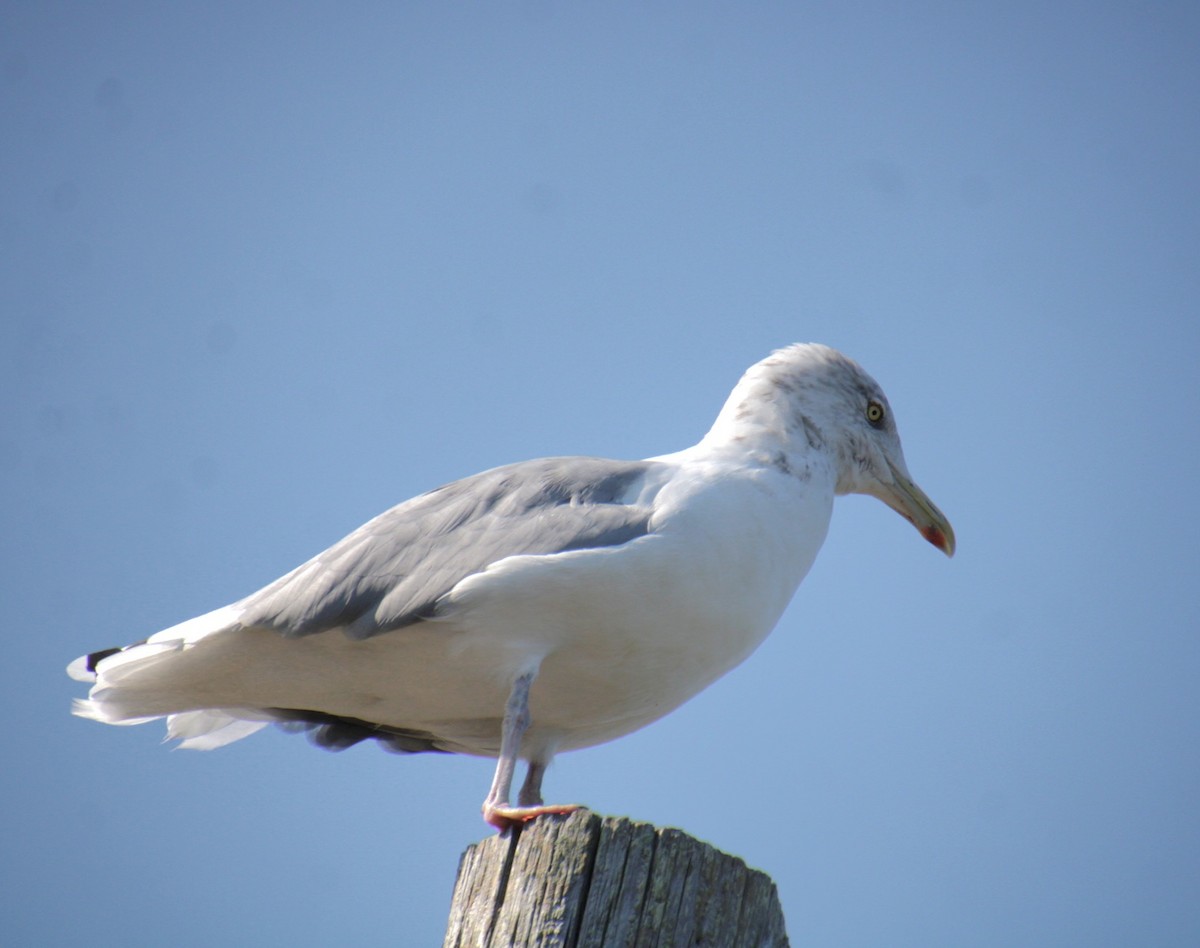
x=811 y=398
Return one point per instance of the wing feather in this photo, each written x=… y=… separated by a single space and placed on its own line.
x=392 y=571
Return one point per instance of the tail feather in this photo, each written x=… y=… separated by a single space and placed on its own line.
x=98 y=710
x=129 y=686
x=213 y=727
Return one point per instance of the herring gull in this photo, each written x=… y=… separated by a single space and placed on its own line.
x=542 y=606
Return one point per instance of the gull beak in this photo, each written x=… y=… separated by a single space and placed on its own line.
x=908 y=500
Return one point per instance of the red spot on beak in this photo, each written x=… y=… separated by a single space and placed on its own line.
x=936 y=537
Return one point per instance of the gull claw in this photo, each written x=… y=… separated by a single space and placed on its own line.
x=503 y=817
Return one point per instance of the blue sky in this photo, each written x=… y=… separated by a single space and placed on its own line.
x=269 y=269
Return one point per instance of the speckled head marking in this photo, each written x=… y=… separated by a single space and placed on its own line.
x=797 y=394
x=808 y=404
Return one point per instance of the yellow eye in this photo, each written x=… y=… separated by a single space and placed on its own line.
x=875 y=413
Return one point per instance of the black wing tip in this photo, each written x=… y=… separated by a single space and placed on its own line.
x=337 y=733
x=95 y=658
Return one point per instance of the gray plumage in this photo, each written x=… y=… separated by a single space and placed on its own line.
x=392 y=571
x=336 y=732
x=543 y=606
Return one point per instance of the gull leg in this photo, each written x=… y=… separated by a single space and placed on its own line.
x=496 y=809
x=531 y=789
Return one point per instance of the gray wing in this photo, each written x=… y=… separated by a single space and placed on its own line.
x=392 y=571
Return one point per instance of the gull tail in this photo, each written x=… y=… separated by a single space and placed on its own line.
x=135 y=685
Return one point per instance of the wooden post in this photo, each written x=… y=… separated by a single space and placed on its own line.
x=583 y=881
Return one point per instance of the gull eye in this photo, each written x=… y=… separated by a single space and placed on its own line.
x=875 y=413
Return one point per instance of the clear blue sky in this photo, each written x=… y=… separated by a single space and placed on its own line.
x=268 y=269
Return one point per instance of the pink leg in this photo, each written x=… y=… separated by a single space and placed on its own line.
x=531 y=789
x=496 y=809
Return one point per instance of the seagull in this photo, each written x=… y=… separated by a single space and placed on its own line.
x=542 y=606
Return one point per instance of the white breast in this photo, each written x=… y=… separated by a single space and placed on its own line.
x=623 y=635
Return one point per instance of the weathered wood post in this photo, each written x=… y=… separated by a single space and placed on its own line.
x=583 y=881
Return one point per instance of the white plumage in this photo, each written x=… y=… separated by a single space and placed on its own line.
x=542 y=606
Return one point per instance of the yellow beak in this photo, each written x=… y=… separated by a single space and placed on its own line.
x=908 y=500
